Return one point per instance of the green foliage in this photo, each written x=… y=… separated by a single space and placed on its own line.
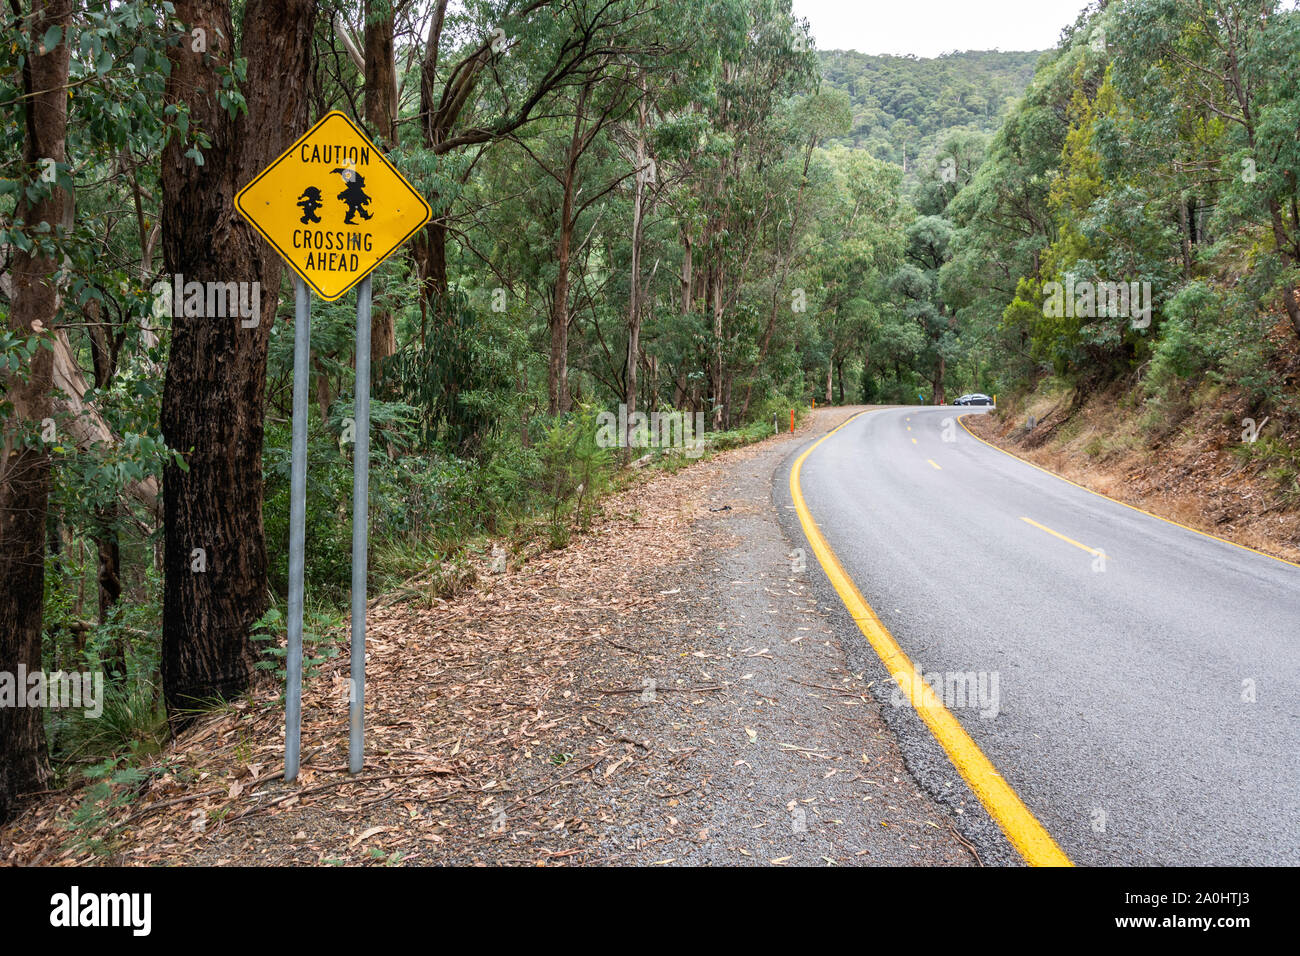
x=904 y=106
x=1128 y=161
x=112 y=784
x=122 y=650
x=452 y=376
x=1280 y=461
x=574 y=472
x=318 y=643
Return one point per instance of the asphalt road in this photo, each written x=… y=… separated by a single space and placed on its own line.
x=1136 y=683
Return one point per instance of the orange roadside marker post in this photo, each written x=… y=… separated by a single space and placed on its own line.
x=792 y=421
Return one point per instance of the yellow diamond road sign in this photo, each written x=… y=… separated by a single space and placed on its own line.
x=333 y=206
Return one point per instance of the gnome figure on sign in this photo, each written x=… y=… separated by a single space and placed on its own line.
x=310 y=201
x=354 y=194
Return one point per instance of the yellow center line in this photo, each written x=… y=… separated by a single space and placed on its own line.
x=932 y=462
x=1057 y=534
x=1003 y=804
x=913 y=441
x=1142 y=511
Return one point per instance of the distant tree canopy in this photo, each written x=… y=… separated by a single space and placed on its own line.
x=904 y=106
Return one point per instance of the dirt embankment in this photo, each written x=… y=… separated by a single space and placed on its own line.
x=1191 y=462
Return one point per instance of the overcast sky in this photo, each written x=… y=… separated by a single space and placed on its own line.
x=930 y=27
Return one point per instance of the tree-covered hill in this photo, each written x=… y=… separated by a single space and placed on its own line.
x=903 y=106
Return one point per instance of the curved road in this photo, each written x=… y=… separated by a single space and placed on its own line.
x=1136 y=683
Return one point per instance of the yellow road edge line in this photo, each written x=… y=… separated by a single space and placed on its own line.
x=1057 y=534
x=1141 y=511
x=1003 y=804
x=937 y=467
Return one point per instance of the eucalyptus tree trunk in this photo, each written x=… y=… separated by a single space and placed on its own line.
x=25 y=467
x=634 y=284
x=380 y=75
x=214 y=565
x=557 y=374
x=557 y=377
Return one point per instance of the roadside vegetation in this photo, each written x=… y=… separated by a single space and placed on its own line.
x=1156 y=149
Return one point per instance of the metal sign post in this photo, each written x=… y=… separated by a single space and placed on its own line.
x=297 y=527
x=360 y=530
x=332 y=242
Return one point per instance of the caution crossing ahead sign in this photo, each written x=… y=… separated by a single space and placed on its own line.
x=333 y=206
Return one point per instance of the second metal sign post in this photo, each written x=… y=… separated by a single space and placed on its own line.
x=360 y=530
x=297 y=528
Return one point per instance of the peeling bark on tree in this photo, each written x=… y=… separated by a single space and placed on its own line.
x=84 y=424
